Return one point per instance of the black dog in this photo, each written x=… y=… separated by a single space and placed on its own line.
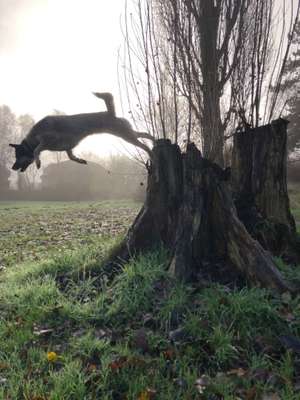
x=64 y=132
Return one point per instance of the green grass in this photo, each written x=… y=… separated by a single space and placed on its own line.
x=136 y=335
x=68 y=306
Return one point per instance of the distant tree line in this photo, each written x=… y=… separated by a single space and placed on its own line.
x=115 y=178
x=12 y=128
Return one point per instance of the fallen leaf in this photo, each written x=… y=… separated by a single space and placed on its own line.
x=287 y=315
x=79 y=332
x=177 y=335
x=286 y=297
x=148 y=320
x=43 y=332
x=101 y=334
x=92 y=368
x=3 y=366
x=2 y=380
x=237 y=371
x=52 y=356
x=168 y=354
x=19 y=321
x=260 y=374
x=147 y=394
x=224 y=301
x=182 y=383
x=202 y=383
x=118 y=363
x=251 y=394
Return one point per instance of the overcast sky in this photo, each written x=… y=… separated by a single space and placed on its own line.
x=54 y=53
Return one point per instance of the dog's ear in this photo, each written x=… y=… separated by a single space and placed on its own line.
x=13 y=145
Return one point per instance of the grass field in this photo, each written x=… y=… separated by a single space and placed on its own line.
x=294 y=194
x=71 y=330
x=35 y=230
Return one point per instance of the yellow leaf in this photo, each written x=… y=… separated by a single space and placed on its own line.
x=147 y=394
x=52 y=356
x=3 y=366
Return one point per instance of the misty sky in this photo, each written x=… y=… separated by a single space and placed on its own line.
x=54 y=53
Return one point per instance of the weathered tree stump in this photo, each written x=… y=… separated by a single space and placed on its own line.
x=189 y=209
x=259 y=187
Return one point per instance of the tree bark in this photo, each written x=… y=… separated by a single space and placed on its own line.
x=189 y=209
x=213 y=144
x=260 y=188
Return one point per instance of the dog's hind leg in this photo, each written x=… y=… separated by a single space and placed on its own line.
x=144 y=147
x=109 y=102
x=74 y=158
x=144 y=135
x=130 y=137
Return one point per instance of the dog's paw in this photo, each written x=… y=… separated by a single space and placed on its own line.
x=81 y=161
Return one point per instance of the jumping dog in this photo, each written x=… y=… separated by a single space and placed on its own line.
x=64 y=132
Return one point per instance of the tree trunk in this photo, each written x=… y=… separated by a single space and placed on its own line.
x=190 y=211
x=213 y=144
x=260 y=188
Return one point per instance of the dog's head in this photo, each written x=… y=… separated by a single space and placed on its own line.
x=24 y=157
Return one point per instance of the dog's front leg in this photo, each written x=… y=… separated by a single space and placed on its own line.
x=74 y=158
x=36 y=155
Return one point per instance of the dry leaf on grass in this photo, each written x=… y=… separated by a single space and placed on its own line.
x=52 y=357
x=148 y=394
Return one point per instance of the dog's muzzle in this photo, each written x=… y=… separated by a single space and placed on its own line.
x=21 y=166
x=16 y=166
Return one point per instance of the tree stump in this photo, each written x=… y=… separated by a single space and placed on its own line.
x=259 y=187
x=189 y=209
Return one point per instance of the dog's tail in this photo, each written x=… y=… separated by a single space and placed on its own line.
x=109 y=101
x=144 y=135
x=103 y=95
